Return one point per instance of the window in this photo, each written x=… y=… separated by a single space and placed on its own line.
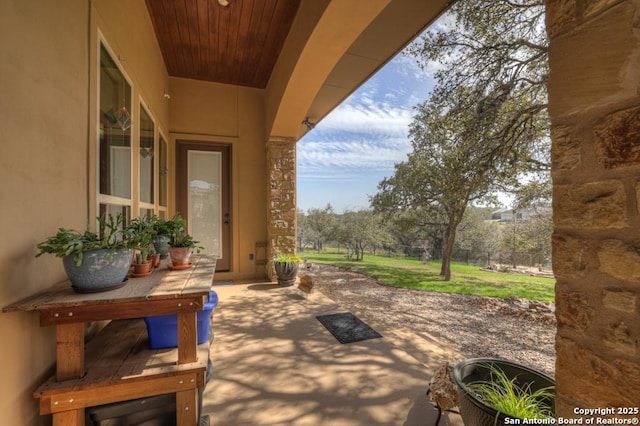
x=114 y=153
x=146 y=158
x=128 y=138
x=163 y=176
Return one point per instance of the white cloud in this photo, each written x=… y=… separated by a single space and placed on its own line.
x=362 y=133
x=427 y=68
x=351 y=155
x=446 y=22
x=407 y=68
x=375 y=117
x=354 y=147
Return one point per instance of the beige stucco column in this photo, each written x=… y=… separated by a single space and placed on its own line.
x=595 y=111
x=281 y=194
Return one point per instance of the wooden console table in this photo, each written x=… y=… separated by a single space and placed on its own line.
x=116 y=364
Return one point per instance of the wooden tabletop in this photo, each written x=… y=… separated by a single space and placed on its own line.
x=163 y=292
x=162 y=284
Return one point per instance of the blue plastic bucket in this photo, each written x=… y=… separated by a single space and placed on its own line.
x=163 y=329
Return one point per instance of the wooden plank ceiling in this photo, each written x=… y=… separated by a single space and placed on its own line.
x=235 y=44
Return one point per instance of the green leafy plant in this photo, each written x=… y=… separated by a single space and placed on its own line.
x=112 y=235
x=141 y=230
x=183 y=239
x=176 y=229
x=168 y=226
x=508 y=397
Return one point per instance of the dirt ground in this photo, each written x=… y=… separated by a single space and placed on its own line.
x=519 y=330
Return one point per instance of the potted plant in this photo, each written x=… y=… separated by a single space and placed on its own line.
x=497 y=392
x=141 y=231
x=93 y=261
x=181 y=246
x=154 y=256
x=164 y=228
x=286 y=268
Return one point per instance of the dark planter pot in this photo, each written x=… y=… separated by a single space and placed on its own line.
x=161 y=244
x=473 y=410
x=286 y=273
x=99 y=271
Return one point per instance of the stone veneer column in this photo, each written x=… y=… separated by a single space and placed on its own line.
x=595 y=112
x=281 y=203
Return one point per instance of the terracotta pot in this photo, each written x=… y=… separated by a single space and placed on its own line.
x=180 y=255
x=142 y=268
x=154 y=260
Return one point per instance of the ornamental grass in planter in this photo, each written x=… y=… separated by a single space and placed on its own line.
x=495 y=392
x=286 y=268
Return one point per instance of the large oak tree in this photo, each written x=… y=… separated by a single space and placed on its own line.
x=485 y=125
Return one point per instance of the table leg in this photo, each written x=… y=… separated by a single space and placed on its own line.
x=187 y=407
x=187 y=337
x=69 y=351
x=69 y=418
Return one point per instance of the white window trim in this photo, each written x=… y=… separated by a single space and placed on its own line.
x=103 y=198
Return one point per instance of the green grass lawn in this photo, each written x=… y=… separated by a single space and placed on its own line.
x=465 y=279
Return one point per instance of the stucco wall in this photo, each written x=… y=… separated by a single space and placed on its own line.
x=43 y=151
x=204 y=111
x=48 y=64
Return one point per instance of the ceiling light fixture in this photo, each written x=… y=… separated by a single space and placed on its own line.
x=223 y=3
x=308 y=123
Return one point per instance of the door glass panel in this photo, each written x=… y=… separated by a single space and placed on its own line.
x=147 y=134
x=163 y=172
x=115 y=129
x=204 y=199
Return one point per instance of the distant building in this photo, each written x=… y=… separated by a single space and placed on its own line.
x=511 y=215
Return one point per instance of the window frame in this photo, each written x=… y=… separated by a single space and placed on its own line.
x=106 y=199
x=162 y=211
x=133 y=206
x=154 y=173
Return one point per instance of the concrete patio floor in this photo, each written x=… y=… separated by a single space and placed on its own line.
x=275 y=364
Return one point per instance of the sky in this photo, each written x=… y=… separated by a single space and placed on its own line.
x=342 y=160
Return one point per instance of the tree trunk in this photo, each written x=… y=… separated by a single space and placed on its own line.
x=447 y=250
